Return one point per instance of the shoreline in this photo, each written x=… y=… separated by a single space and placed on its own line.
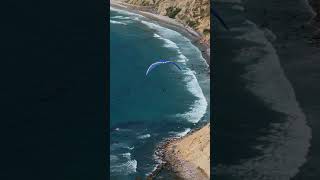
x=188 y=156
x=176 y=163
x=170 y=152
x=167 y=22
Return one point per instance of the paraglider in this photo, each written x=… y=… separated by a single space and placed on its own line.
x=154 y=65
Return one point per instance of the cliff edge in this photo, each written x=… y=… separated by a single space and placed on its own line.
x=192 y=13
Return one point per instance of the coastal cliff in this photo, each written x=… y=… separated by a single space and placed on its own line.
x=192 y=13
x=190 y=155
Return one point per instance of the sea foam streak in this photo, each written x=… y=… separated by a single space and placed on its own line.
x=117 y=22
x=185 y=132
x=125 y=12
x=120 y=17
x=127 y=155
x=118 y=166
x=170 y=44
x=126 y=168
x=113 y=158
x=144 y=136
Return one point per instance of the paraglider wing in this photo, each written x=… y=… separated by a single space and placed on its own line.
x=154 y=65
x=174 y=64
x=220 y=19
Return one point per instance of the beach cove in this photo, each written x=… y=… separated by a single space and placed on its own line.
x=194 y=85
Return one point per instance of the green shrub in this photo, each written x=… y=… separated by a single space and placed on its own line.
x=191 y=23
x=145 y=3
x=206 y=31
x=172 y=12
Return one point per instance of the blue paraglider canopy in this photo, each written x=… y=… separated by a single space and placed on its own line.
x=154 y=65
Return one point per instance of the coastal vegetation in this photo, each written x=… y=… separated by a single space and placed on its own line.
x=195 y=14
x=206 y=31
x=187 y=155
x=172 y=12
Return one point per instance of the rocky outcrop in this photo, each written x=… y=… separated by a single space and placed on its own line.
x=193 y=13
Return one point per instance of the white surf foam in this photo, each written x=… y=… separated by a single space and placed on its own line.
x=176 y=41
x=123 y=168
x=116 y=146
x=125 y=12
x=117 y=22
x=127 y=155
x=113 y=158
x=183 y=133
x=122 y=130
x=165 y=32
x=199 y=107
x=121 y=17
x=168 y=43
x=126 y=168
x=144 y=136
x=158 y=161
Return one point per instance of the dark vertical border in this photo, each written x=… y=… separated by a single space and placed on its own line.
x=53 y=92
x=108 y=90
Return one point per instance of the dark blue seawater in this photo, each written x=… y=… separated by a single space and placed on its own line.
x=166 y=103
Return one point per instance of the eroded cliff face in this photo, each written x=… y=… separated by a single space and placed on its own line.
x=194 y=13
x=141 y=2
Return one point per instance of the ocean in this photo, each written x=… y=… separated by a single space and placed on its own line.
x=145 y=110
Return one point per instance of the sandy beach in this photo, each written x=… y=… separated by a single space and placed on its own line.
x=165 y=21
x=189 y=156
